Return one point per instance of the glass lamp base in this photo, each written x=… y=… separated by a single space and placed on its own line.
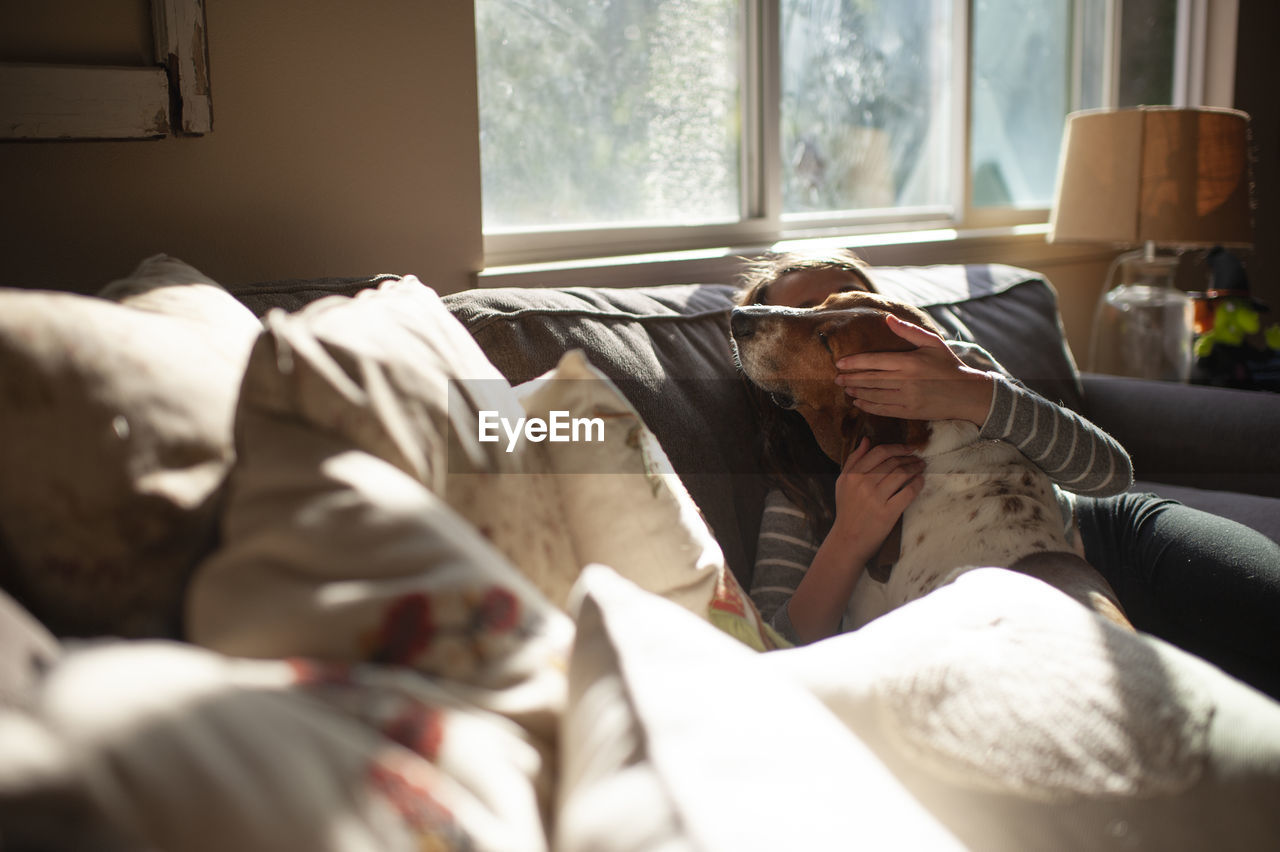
x=1143 y=323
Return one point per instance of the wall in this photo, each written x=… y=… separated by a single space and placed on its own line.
x=1256 y=79
x=344 y=143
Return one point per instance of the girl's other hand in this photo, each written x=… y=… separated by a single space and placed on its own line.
x=875 y=486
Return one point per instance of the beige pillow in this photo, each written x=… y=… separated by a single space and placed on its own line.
x=624 y=504
x=1023 y=720
x=691 y=744
x=394 y=374
x=160 y=745
x=114 y=444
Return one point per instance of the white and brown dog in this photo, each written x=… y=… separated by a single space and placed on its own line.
x=983 y=504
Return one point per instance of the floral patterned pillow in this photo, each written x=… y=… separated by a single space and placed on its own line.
x=332 y=552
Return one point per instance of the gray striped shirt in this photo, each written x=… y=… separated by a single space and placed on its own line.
x=1078 y=456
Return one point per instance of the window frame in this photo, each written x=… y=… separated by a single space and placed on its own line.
x=1203 y=60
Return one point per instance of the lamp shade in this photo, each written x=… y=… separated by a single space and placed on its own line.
x=1167 y=175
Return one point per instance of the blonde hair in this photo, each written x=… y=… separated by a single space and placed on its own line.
x=768 y=268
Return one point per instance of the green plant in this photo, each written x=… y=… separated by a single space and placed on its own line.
x=1234 y=320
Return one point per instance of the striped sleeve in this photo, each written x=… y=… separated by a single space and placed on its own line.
x=783 y=554
x=1077 y=455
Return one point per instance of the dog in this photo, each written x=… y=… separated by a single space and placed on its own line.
x=983 y=503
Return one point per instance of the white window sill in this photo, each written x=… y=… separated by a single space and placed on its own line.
x=1016 y=245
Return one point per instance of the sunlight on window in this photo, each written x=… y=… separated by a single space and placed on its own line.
x=608 y=113
x=1021 y=95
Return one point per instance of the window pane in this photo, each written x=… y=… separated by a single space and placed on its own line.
x=1094 y=50
x=1021 y=93
x=608 y=112
x=865 y=104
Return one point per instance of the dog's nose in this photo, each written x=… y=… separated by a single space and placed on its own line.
x=742 y=324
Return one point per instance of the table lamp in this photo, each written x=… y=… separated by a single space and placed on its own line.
x=1161 y=178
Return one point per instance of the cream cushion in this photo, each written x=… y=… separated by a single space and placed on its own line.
x=1023 y=720
x=115 y=442
x=722 y=753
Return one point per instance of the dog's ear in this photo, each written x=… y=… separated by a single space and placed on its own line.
x=915 y=432
x=852 y=335
x=922 y=318
x=857 y=425
x=880 y=565
x=881 y=430
x=853 y=428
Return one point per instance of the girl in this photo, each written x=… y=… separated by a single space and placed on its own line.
x=1202 y=582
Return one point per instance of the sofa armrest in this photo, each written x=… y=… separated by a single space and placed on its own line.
x=1205 y=437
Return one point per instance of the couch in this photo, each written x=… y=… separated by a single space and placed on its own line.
x=267 y=588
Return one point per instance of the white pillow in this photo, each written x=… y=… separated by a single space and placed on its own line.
x=114 y=444
x=609 y=795
x=1023 y=720
x=719 y=752
x=625 y=506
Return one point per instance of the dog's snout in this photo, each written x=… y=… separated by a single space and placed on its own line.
x=742 y=324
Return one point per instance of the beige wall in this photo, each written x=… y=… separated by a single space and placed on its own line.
x=344 y=143
x=1255 y=89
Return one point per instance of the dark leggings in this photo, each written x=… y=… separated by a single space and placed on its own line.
x=1207 y=584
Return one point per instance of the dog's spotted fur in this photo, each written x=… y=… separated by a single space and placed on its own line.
x=983 y=502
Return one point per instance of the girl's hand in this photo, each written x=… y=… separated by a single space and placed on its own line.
x=875 y=486
x=927 y=383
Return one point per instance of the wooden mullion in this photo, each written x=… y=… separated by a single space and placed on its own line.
x=181 y=47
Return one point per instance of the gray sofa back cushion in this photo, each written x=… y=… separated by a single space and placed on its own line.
x=295 y=293
x=667 y=348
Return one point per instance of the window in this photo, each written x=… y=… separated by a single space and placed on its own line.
x=621 y=126
x=599 y=113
